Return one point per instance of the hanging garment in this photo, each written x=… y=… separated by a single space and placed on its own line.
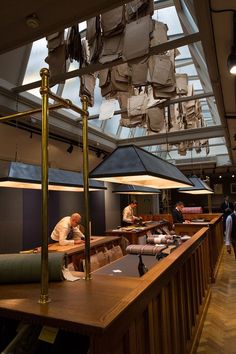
x=155 y=119
x=111 y=48
x=73 y=44
x=132 y=122
x=87 y=86
x=113 y=22
x=119 y=78
x=55 y=40
x=205 y=144
x=159 y=34
x=56 y=60
x=105 y=81
x=91 y=31
x=139 y=8
x=126 y=121
x=161 y=76
x=85 y=52
x=93 y=36
x=137 y=32
x=181 y=84
x=107 y=109
x=137 y=105
x=138 y=72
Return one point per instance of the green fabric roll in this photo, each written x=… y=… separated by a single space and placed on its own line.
x=26 y=268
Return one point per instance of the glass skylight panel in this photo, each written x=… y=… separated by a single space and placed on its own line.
x=124 y=133
x=111 y=125
x=188 y=69
x=36 y=61
x=196 y=84
x=169 y=16
x=184 y=52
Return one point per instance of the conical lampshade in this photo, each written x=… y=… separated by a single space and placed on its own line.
x=130 y=189
x=199 y=187
x=20 y=175
x=132 y=165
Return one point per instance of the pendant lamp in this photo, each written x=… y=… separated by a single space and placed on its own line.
x=20 y=175
x=130 y=189
x=199 y=187
x=130 y=164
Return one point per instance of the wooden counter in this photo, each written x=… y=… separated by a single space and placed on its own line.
x=75 y=253
x=132 y=233
x=159 y=313
x=216 y=235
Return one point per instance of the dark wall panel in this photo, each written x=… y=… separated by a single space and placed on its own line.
x=11 y=220
x=31 y=218
x=63 y=204
x=20 y=215
x=97 y=213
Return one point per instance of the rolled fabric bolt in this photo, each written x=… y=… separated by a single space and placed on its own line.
x=26 y=268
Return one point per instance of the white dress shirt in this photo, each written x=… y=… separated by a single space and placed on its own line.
x=128 y=215
x=61 y=231
x=228 y=230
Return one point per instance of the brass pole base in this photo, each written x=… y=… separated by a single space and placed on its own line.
x=44 y=299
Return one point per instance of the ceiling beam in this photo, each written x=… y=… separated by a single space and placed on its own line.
x=175 y=137
x=161 y=48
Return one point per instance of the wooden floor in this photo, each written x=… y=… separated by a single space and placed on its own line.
x=219 y=331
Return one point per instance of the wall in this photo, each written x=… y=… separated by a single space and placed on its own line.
x=11 y=220
x=18 y=145
x=20 y=215
x=113 y=208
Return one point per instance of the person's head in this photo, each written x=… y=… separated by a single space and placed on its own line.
x=180 y=206
x=75 y=219
x=133 y=203
x=226 y=198
x=234 y=204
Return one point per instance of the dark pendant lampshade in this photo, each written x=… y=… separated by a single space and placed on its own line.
x=130 y=189
x=20 y=175
x=130 y=164
x=199 y=187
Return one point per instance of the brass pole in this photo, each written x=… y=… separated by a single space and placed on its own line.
x=67 y=103
x=32 y=111
x=44 y=297
x=84 y=101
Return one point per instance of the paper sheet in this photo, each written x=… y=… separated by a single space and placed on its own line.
x=68 y=276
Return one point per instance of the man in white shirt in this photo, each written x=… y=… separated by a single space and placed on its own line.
x=67 y=231
x=128 y=214
x=230 y=231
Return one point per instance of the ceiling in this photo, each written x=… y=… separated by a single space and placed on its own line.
x=209 y=49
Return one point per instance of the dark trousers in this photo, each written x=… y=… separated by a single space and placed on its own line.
x=234 y=247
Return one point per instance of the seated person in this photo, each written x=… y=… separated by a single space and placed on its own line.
x=67 y=231
x=178 y=215
x=128 y=214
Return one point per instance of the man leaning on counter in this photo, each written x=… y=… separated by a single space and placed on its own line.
x=177 y=214
x=67 y=231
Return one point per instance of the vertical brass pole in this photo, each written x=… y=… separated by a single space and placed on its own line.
x=44 y=297
x=84 y=101
x=209 y=203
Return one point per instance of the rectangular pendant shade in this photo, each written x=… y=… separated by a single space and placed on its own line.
x=20 y=175
x=132 y=165
x=130 y=189
x=199 y=187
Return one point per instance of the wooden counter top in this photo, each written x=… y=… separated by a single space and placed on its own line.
x=88 y=306
x=71 y=249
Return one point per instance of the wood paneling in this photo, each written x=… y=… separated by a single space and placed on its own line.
x=160 y=313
